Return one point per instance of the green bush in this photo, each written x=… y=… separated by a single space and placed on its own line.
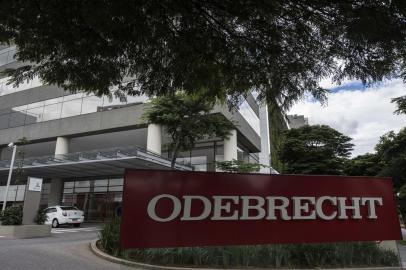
x=110 y=236
x=41 y=217
x=269 y=256
x=12 y=216
x=262 y=256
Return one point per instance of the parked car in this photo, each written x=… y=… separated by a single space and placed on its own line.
x=58 y=215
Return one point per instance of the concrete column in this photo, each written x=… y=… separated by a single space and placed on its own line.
x=154 y=138
x=56 y=190
x=264 y=155
x=62 y=146
x=230 y=146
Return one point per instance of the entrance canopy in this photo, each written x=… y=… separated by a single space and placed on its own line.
x=100 y=162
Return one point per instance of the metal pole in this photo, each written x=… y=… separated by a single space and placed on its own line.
x=10 y=172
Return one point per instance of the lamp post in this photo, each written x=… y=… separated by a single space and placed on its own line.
x=10 y=172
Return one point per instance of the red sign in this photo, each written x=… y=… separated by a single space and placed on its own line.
x=174 y=208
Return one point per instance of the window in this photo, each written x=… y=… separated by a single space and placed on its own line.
x=116 y=184
x=71 y=107
x=91 y=104
x=67 y=208
x=82 y=186
x=100 y=185
x=34 y=115
x=50 y=210
x=52 y=111
x=56 y=108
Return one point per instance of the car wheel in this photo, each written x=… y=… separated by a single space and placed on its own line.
x=76 y=225
x=55 y=223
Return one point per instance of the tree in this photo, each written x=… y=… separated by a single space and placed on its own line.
x=391 y=150
x=226 y=48
x=317 y=149
x=363 y=165
x=401 y=104
x=187 y=119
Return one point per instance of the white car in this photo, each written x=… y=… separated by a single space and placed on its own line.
x=57 y=215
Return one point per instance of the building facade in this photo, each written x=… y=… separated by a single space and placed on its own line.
x=80 y=144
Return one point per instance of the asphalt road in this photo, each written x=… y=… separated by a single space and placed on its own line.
x=67 y=248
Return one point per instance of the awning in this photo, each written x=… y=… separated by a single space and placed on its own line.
x=100 y=162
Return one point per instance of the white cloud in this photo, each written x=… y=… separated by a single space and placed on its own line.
x=364 y=115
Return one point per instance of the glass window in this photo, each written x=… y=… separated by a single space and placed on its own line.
x=23 y=86
x=19 y=108
x=7 y=88
x=69 y=184
x=136 y=99
x=100 y=189
x=11 y=55
x=68 y=190
x=3 y=82
x=102 y=183
x=71 y=108
x=116 y=182
x=20 y=192
x=53 y=101
x=82 y=186
x=118 y=198
x=115 y=188
x=50 y=210
x=82 y=190
x=36 y=82
x=52 y=111
x=3 y=58
x=249 y=115
x=109 y=103
x=91 y=104
x=71 y=97
x=36 y=105
x=34 y=115
x=67 y=208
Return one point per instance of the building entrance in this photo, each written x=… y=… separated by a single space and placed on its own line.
x=99 y=199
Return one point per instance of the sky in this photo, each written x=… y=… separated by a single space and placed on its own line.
x=362 y=113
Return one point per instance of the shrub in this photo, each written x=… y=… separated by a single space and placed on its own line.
x=260 y=256
x=110 y=235
x=41 y=217
x=12 y=216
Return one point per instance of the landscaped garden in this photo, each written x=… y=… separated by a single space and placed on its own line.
x=355 y=254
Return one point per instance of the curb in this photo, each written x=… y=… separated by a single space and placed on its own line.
x=105 y=256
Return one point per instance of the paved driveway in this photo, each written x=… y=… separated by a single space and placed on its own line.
x=67 y=248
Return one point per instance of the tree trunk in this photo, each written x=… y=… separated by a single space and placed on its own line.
x=175 y=153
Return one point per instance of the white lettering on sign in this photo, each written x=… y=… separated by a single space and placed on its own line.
x=269 y=208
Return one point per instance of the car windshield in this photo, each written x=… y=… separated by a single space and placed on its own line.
x=65 y=208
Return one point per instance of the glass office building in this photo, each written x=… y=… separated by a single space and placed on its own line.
x=80 y=144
